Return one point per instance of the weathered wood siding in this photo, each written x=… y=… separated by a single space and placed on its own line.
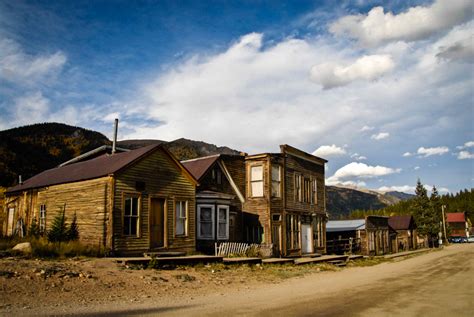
x=25 y=205
x=163 y=179
x=89 y=200
x=259 y=206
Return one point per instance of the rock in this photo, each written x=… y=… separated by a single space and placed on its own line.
x=24 y=247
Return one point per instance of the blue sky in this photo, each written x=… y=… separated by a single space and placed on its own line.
x=382 y=89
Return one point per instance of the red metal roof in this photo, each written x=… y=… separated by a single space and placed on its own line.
x=94 y=168
x=401 y=222
x=456 y=217
x=198 y=167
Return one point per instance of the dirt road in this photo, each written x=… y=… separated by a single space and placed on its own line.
x=439 y=283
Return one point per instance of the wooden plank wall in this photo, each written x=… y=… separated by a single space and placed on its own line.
x=162 y=179
x=87 y=199
x=26 y=207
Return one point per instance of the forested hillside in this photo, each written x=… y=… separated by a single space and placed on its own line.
x=462 y=201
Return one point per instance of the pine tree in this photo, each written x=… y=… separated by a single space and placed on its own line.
x=73 y=232
x=34 y=230
x=59 y=228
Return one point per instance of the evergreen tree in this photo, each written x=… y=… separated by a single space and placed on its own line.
x=34 y=230
x=73 y=231
x=59 y=228
x=424 y=214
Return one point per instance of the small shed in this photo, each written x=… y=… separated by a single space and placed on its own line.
x=405 y=227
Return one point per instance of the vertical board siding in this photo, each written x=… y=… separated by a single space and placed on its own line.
x=164 y=179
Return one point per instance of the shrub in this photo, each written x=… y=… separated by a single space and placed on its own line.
x=72 y=233
x=34 y=231
x=59 y=228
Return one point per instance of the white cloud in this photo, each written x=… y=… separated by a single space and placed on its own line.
x=407 y=154
x=380 y=136
x=403 y=189
x=32 y=106
x=466 y=145
x=19 y=67
x=416 y=168
x=329 y=150
x=356 y=170
x=331 y=75
x=358 y=157
x=425 y=152
x=414 y=24
x=366 y=128
x=465 y=155
x=410 y=189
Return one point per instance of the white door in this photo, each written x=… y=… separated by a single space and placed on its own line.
x=306 y=241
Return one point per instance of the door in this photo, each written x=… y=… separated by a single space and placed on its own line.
x=306 y=238
x=276 y=234
x=157 y=223
x=11 y=213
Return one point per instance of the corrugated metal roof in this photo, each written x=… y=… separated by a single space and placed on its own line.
x=401 y=222
x=455 y=217
x=345 y=225
x=198 y=167
x=94 y=168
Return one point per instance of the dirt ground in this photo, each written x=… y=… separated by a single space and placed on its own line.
x=437 y=283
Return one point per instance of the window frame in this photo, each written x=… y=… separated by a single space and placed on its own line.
x=42 y=219
x=314 y=191
x=251 y=181
x=186 y=217
x=198 y=222
x=297 y=186
x=278 y=195
x=126 y=196
x=226 y=235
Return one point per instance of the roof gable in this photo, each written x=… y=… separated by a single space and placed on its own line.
x=90 y=169
x=401 y=222
x=198 y=167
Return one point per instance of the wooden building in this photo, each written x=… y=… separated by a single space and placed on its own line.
x=219 y=199
x=458 y=224
x=369 y=236
x=405 y=227
x=285 y=201
x=128 y=202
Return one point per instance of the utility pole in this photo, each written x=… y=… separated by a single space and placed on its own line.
x=444 y=224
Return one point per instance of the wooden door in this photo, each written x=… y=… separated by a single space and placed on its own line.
x=276 y=239
x=157 y=223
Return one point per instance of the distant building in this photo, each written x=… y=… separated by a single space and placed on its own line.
x=406 y=232
x=458 y=224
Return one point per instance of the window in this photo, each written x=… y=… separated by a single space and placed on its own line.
x=298 y=180
x=276 y=217
x=307 y=190
x=276 y=181
x=256 y=181
x=181 y=218
x=42 y=219
x=222 y=222
x=205 y=224
x=217 y=175
x=314 y=194
x=130 y=215
x=11 y=214
x=292 y=232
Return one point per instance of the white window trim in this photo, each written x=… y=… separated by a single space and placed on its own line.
x=314 y=193
x=42 y=218
x=226 y=237
x=213 y=211
x=186 y=217
x=10 y=221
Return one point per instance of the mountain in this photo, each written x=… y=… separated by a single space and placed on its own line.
x=342 y=200
x=32 y=149
x=29 y=150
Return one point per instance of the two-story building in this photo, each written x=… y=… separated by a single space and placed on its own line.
x=285 y=201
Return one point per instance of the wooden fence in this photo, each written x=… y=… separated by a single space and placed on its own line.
x=227 y=249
